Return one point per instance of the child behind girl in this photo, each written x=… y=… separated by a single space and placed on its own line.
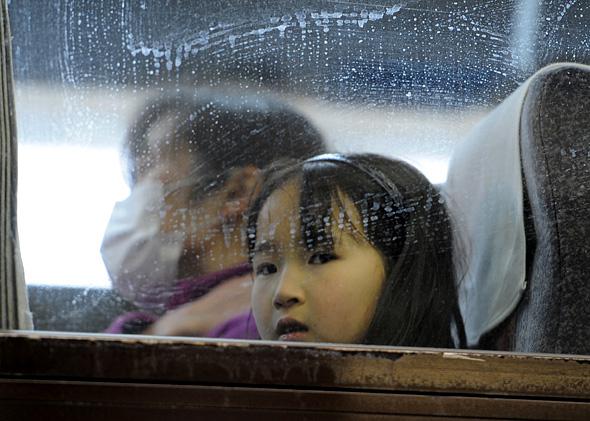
x=353 y=249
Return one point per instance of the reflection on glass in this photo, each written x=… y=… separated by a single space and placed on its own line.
x=406 y=80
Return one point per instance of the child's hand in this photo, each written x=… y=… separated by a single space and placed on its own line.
x=199 y=317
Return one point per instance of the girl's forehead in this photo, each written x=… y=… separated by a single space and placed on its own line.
x=280 y=216
x=282 y=206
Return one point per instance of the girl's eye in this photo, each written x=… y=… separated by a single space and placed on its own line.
x=321 y=258
x=266 y=269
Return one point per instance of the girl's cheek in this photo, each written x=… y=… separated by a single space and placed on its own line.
x=257 y=297
x=262 y=308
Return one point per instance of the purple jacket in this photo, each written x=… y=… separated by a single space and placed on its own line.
x=241 y=326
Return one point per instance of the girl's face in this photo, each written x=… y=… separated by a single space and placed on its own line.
x=312 y=295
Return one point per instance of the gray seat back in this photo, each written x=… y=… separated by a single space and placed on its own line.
x=554 y=315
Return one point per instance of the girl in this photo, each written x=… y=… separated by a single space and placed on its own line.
x=353 y=249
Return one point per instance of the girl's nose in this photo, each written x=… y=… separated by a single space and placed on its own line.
x=289 y=291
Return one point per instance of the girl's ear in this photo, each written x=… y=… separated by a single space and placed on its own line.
x=239 y=190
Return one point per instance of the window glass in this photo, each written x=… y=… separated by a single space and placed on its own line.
x=407 y=80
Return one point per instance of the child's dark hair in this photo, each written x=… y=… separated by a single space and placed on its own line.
x=404 y=217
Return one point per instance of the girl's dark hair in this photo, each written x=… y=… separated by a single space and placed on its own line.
x=404 y=217
x=221 y=130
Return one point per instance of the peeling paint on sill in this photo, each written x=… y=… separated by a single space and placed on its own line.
x=456 y=356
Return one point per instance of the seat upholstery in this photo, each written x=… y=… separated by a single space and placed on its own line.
x=75 y=309
x=554 y=315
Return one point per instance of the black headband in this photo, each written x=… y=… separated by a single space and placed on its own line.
x=373 y=173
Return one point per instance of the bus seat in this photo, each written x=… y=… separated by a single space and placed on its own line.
x=75 y=309
x=555 y=152
x=553 y=134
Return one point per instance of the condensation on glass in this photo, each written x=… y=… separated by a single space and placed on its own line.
x=403 y=79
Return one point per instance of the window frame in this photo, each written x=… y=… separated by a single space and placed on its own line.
x=170 y=375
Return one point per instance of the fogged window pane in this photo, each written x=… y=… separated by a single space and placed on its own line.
x=406 y=80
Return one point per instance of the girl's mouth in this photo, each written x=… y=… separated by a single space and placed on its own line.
x=291 y=330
